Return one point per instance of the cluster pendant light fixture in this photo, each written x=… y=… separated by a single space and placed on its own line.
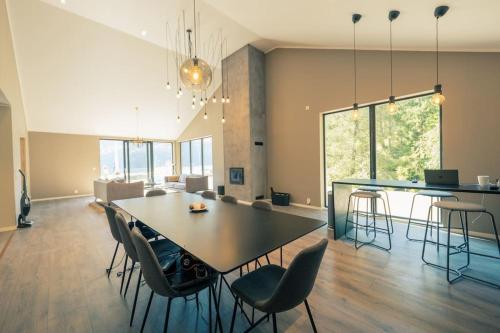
x=137 y=140
x=438 y=97
x=355 y=110
x=393 y=14
x=195 y=62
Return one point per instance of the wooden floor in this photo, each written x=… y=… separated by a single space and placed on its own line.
x=52 y=279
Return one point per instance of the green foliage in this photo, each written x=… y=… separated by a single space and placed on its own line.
x=407 y=142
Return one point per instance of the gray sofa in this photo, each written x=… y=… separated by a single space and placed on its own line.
x=188 y=183
x=110 y=190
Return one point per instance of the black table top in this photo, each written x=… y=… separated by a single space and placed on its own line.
x=225 y=237
x=467 y=188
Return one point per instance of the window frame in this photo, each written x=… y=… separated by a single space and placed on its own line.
x=202 y=140
x=372 y=134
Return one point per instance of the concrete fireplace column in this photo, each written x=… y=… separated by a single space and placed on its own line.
x=245 y=127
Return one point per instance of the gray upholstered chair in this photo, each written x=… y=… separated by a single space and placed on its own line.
x=163 y=249
x=273 y=289
x=209 y=195
x=155 y=192
x=110 y=215
x=263 y=205
x=229 y=199
x=160 y=283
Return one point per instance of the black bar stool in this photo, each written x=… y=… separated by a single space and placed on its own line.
x=465 y=208
x=434 y=196
x=381 y=190
x=371 y=198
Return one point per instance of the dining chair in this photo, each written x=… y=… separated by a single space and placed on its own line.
x=155 y=192
x=163 y=250
x=272 y=289
x=110 y=215
x=229 y=199
x=162 y=284
x=209 y=195
x=266 y=206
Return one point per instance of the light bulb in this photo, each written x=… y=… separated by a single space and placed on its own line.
x=194 y=98
x=223 y=100
x=193 y=105
x=392 y=107
x=223 y=120
x=214 y=99
x=178 y=95
x=227 y=99
x=206 y=100
x=205 y=116
x=168 y=86
x=180 y=91
x=178 y=119
x=201 y=102
x=438 y=98
x=355 y=111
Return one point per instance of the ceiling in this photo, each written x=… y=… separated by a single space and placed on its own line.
x=468 y=26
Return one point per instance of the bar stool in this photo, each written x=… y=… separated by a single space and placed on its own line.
x=371 y=197
x=435 y=196
x=382 y=190
x=465 y=208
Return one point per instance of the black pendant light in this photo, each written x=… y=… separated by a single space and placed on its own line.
x=393 y=14
x=438 y=97
x=355 y=110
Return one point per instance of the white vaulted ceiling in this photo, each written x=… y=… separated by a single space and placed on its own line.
x=84 y=64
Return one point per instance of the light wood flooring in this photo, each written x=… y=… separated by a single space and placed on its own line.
x=52 y=279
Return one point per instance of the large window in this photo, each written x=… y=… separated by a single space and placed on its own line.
x=147 y=161
x=196 y=158
x=379 y=144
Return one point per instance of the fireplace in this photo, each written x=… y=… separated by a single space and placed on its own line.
x=236 y=176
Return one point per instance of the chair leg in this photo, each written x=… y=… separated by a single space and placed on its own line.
x=129 y=277
x=425 y=234
x=147 y=311
x=113 y=260
x=310 y=316
x=123 y=273
x=135 y=297
x=268 y=261
x=217 y=315
x=281 y=256
x=167 y=315
x=448 y=246
x=389 y=209
x=234 y=314
x=275 y=327
x=495 y=229
x=209 y=311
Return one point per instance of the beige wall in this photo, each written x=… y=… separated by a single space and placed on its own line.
x=62 y=164
x=323 y=80
x=12 y=115
x=200 y=127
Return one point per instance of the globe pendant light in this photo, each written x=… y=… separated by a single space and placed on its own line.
x=195 y=73
x=438 y=97
x=355 y=109
x=393 y=14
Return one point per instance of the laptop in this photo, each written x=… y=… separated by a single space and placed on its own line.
x=441 y=177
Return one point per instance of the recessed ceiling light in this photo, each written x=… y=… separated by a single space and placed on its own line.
x=144 y=32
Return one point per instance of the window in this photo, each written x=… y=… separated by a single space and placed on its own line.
x=111 y=159
x=196 y=158
x=148 y=161
x=383 y=145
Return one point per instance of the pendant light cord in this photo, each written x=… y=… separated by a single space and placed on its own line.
x=355 y=66
x=195 y=30
x=166 y=40
x=437 y=50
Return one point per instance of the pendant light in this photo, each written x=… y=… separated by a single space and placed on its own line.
x=393 y=14
x=438 y=97
x=355 y=110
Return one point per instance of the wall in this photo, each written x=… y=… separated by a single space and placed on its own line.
x=63 y=163
x=200 y=127
x=323 y=80
x=14 y=116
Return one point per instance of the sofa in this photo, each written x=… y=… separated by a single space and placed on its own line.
x=188 y=183
x=110 y=190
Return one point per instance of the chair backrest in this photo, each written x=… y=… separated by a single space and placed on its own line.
x=298 y=280
x=263 y=205
x=110 y=215
x=126 y=236
x=209 y=195
x=155 y=192
x=229 y=199
x=151 y=269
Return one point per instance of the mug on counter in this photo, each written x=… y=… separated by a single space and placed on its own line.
x=483 y=180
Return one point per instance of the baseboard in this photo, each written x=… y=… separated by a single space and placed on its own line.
x=9 y=228
x=65 y=197
x=307 y=206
